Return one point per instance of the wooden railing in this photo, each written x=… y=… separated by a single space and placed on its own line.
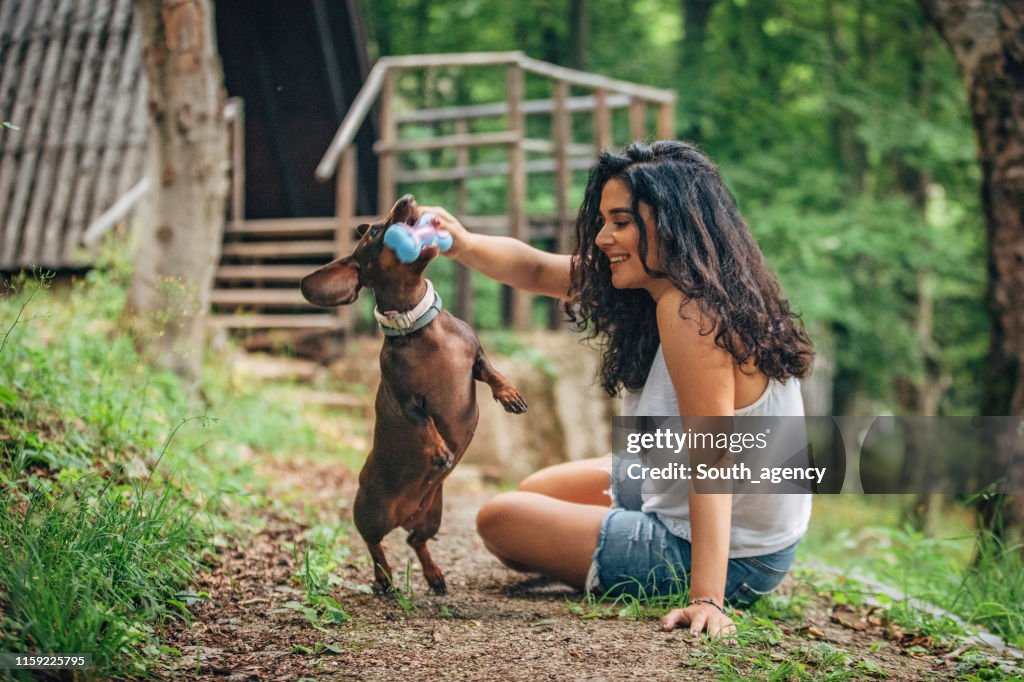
x=603 y=96
x=234 y=114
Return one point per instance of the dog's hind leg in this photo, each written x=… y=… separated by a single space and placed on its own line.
x=383 y=583
x=373 y=526
x=424 y=530
x=501 y=388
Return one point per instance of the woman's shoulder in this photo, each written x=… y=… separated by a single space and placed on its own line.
x=681 y=319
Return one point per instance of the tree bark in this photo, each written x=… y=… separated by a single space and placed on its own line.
x=987 y=38
x=180 y=243
x=694 y=86
x=579 y=33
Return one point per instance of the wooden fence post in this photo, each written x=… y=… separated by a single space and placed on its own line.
x=238 y=162
x=345 y=213
x=602 y=121
x=666 y=120
x=562 y=132
x=386 y=186
x=637 y=119
x=463 y=276
x=518 y=219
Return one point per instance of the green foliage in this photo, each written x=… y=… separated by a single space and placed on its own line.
x=963 y=570
x=842 y=128
x=115 y=483
x=86 y=565
x=326 y=546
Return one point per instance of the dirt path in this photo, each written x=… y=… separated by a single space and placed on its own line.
x=493 y=625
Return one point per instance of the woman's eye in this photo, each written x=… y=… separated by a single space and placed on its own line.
x=625 y=224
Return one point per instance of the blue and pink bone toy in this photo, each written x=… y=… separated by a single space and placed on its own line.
x=407 y=241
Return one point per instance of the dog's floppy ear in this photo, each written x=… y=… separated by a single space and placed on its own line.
x=336 y=283
x=361 y=230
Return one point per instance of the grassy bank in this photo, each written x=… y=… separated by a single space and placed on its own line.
x=115 y=484
x=865 y=534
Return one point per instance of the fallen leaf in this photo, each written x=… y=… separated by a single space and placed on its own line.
x=813 y=631
x=894 y=632
x=847 y=617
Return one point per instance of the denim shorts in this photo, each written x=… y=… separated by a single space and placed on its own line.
x=637 y=555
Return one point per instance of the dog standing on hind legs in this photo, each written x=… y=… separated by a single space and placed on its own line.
x=426 y=411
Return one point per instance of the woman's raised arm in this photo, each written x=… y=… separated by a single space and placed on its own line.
x=505 y=259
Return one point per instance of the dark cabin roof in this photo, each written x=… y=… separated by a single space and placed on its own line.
x=71 y=79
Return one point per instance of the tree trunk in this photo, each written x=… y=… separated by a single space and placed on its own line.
x=188 y=157
x=579 y=33
x=987 y=38
x=694 y=85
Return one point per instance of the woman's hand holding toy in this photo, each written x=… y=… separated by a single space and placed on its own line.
x=407 y=241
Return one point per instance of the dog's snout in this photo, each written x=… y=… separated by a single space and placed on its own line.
x=404 y=211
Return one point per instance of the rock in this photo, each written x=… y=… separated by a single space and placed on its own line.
x=569 y=416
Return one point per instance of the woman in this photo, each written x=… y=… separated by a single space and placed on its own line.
x=668 y=278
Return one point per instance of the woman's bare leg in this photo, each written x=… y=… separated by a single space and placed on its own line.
x=529 y=531
x=584 y=481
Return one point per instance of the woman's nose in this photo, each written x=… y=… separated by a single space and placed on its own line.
x=604 y=236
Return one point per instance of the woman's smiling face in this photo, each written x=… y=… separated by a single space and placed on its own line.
x=619 y=240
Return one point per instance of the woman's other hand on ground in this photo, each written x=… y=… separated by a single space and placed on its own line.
x=443 y=220
x=699 y=617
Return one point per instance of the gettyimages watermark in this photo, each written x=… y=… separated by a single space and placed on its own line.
x=823 y=455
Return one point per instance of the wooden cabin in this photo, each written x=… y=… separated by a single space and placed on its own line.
x=304 y=108
x=72 y=81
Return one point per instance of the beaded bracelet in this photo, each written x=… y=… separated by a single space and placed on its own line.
x=706 y=601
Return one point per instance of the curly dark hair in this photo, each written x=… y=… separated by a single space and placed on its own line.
x=704 y=248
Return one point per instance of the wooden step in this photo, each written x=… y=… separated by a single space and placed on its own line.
x=292 y=226
x=326 y=321
x=275 y=368
x=327 y=399
x=273 y=273
x=258 y=297
x=280 y=249
x=283 y=226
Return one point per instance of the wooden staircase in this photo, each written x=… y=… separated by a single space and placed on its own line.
x=262 y=261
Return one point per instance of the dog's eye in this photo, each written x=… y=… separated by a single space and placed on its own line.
x=374 y=231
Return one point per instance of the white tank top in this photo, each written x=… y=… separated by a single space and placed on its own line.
x=761 y=523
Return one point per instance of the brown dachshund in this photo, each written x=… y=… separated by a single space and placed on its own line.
x=426 y=404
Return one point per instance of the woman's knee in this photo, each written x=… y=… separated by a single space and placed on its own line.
x=552 y=479
x=537 y=482
x=494 y=515
x=582 y=481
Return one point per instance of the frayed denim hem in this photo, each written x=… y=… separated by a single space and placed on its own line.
x=592 y=585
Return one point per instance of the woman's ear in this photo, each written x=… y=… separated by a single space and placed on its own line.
x=336 y=283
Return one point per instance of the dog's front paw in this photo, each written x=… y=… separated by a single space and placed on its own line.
x=511 y=400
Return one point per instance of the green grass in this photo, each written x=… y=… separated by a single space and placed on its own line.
x=753 y=652
x=760 y=649
x=864 y=533
x=116 y=485
x=325 y=548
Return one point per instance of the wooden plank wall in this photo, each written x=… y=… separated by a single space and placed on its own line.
x=71 y=79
